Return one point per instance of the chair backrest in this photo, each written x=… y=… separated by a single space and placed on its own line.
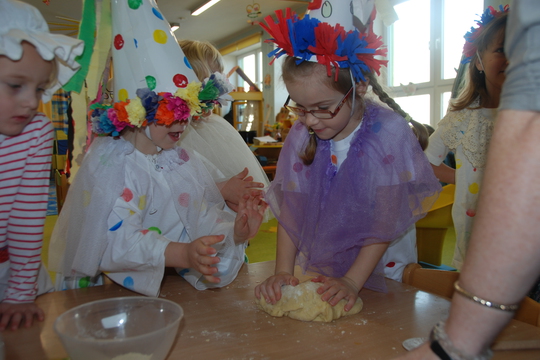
x=529 y=312
x=438 y=282
x=441 y=282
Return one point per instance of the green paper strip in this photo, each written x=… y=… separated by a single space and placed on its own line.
x=86 y=34
x=101 y=50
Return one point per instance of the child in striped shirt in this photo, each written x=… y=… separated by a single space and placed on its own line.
x=33 y=64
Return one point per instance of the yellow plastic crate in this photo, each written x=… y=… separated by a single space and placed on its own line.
x=431 y=230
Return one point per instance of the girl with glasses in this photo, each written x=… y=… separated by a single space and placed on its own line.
x=352 y=178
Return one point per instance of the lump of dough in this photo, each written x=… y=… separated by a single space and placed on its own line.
x=302 y=302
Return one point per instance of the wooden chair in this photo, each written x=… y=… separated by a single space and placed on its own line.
x=438 y=282
x=441 y=282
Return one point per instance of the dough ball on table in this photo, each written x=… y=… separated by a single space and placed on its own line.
x=302 y=302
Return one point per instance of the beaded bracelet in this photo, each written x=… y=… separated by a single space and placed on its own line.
x=481 y=301
x=444 y=349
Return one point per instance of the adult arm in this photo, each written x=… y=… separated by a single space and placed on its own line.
x=502 y=259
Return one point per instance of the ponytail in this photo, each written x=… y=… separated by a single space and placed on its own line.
x=309 y=152
x=418 y=129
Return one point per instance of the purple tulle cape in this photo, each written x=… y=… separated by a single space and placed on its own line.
x=384 y=185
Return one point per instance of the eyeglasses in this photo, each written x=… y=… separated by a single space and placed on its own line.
x=319 y=114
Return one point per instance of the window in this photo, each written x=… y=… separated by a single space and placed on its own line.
x=251 y=64
x=425 y=47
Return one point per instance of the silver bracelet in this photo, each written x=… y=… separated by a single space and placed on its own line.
x=484 y=302
x=439 y=337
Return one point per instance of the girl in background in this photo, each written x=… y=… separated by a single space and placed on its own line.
x=33 y=65
x=466 y=129
x=211 y=135
x=352 y=178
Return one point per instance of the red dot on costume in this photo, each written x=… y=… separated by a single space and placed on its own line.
x=474 y=169
x=183 y=199
x=127 y=195
x=391 y=264
x=388 y=159
x=334 y=159
x=471 y=212
x=180 y=80
x=184 y=155
x=145 y=231
x=118 y=42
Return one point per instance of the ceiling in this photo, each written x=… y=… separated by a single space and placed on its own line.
x=221 y=24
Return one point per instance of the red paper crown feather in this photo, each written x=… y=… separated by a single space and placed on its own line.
x=315 y=4
x=375 y=42
x=279 y=31
x=326 y=45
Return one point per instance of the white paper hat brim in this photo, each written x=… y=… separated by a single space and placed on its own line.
x=21 y=22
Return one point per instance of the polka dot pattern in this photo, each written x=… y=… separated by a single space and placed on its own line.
x=155 y=229
x=142 y=202
x=474 y=188
x=157 y=13
x=116 y=226
x=140 y=31
x=123 y=95
x=388 y=159
x=86 y=198
x=376 y=127
x=180 y=80
x=127 y=195
x=297 y=167
x=128 y=282
x=151 y=82
x=183 y=199
x=118 y=42
x=160 y=36
x=184 y=155
x=84 y=282
x=470 y=212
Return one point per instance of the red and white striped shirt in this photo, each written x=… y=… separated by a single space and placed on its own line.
x=25 y=165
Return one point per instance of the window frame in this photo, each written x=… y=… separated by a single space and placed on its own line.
x=436 y=86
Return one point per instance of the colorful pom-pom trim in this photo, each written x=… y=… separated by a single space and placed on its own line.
x=162 y=108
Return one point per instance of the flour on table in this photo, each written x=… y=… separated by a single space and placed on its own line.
x=133 y=356
x=302 y=302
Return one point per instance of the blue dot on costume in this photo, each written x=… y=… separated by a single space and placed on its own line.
x=376 y=127
x=157 y=13
x=186 y=61
x=183 y=272
x=136 y=43
x=117 y=226
x=128 y=282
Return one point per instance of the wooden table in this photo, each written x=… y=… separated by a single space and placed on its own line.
x=226 y=324
x=270 y=151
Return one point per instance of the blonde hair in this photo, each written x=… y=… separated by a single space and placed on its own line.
x=204 y=58
x=474 y=84
x=292 y=72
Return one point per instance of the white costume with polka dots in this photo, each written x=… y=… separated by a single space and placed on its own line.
x=124 y=208
x=467 y=133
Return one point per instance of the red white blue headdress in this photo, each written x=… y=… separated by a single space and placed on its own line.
x=153 y=80
x=470 y=47
x=328 y=34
